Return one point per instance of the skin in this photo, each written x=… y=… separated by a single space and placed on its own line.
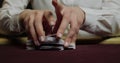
x=65 y=16
x=37 y=22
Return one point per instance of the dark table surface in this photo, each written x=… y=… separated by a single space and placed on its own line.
x=93 y=53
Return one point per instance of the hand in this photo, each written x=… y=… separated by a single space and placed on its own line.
x=37 y=24
x=65 y=16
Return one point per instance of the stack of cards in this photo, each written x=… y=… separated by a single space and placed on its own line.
x=50 y=43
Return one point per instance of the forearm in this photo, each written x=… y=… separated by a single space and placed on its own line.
x=10 y=24
x=101 y=22
x=9 y=16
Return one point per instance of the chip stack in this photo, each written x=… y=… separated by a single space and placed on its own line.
x=50 y=43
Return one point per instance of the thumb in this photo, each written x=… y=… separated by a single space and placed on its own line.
x=58 y=9
x=57 y=5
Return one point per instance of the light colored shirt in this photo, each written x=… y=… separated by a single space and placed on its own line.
x=102 y=16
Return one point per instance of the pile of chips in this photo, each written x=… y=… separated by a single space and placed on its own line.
x=50 y=43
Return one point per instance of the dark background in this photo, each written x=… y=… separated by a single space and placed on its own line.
x=1 y=2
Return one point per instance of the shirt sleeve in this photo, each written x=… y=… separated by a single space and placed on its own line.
x=9 y=16
x=104 y=21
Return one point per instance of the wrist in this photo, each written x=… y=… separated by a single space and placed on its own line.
x=23 y=14
x=83 y=15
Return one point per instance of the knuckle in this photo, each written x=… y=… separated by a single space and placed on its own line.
x=30 y=24
x=33 y=34
x=73 y=31
x=66 y=16
x=71 y=34
x=31 y=16
x=26 y=28
x=62 y=28
x=38 y=16
x=38 y=13
x=79 y=22
x=25 y=22
x=31 y=29
x=74 y=28
x=61 y=31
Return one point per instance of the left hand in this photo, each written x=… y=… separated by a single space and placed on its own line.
x=65 y=16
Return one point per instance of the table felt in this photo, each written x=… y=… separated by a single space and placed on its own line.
x=87 y=53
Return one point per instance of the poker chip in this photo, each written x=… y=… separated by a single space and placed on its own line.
x=50 y=43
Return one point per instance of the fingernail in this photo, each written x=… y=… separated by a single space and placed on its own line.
x=59 y=35
x=66 y=44
x=42 y=38
x=52 y=23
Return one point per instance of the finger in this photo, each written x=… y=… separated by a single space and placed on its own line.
x=70 y=41
x=71 y=37
x=73 y=29
x=75 y=25
x=74 y=38
x=80 y=21
x=48 y=22
x=26 y=21
x=26 y=25
x=74 y=22
x=38 y=26
x=57 y=4
x=32 y=31
x=51 y=21
x=58 y=9
x=63 y=25
x=67 y=41
x=73 y=42
x=50 y=18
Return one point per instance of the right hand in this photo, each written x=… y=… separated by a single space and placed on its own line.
x=37 y=24
x=68 y=15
